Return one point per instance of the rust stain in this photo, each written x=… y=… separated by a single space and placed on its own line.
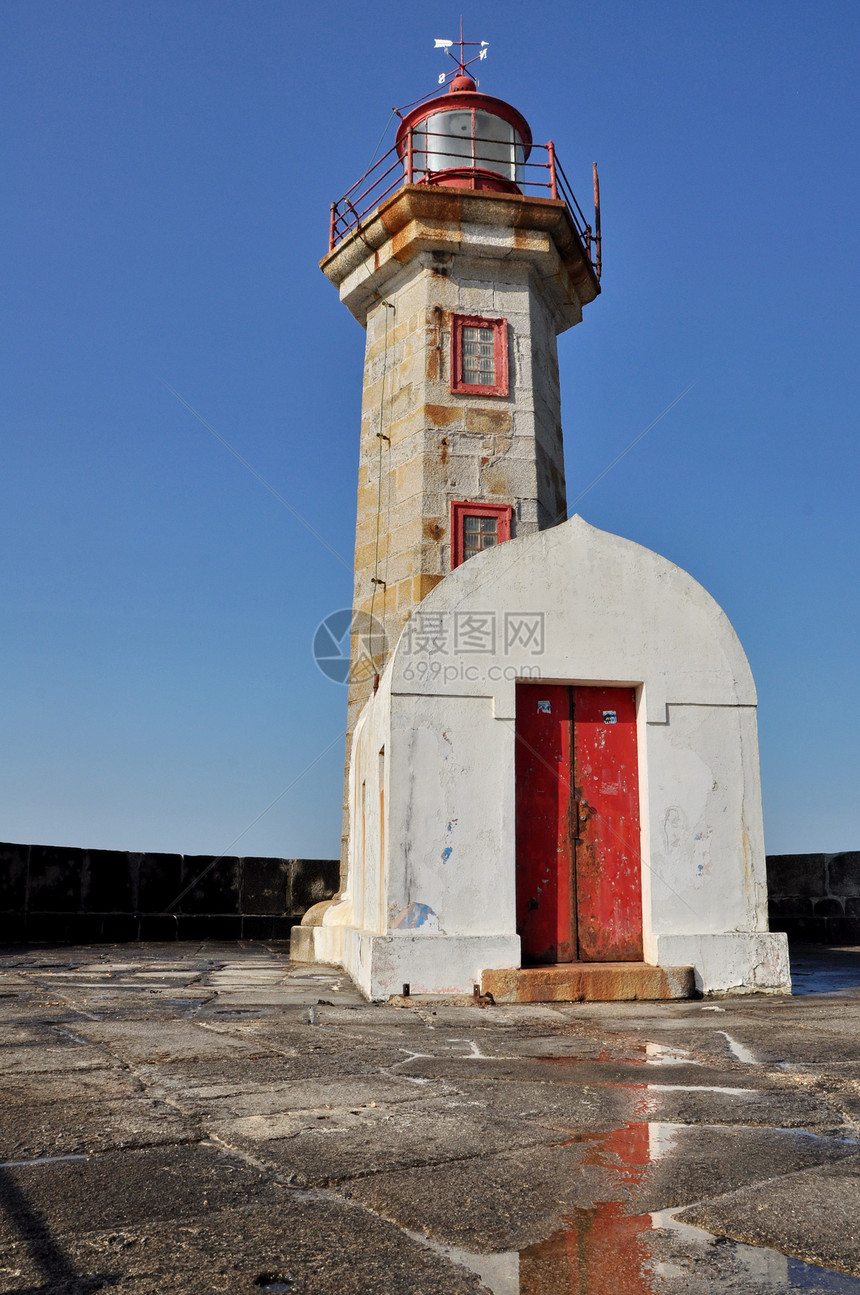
x=584 y=982
x=421 y=586
x=442 y=415
x=435 y=353
x=433 y=530
x=489 y=422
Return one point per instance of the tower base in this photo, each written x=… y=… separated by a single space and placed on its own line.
x=731 y=962
x=381 y=965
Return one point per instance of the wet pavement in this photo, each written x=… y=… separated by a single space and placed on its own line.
x=205 y=1118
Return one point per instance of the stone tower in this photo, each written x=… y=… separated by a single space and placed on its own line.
x=463 y=271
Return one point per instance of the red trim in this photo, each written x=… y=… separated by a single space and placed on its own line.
x=471 y=177
x=459 y=99
x=500 y=338
x=462 y=508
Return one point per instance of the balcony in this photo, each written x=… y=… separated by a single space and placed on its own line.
x=425 y=157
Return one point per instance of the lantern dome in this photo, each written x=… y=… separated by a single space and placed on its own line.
x=465 y=139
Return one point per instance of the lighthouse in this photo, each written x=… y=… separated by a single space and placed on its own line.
x=463 y=254
x=552 y=783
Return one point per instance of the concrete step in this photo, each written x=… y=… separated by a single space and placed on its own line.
x=589 y=982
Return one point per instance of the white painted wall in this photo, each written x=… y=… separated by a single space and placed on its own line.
x=430 y=898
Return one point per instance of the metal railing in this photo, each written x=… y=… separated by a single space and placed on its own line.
x=406 y=163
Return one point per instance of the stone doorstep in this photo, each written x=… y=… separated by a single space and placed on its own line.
x=589 y=982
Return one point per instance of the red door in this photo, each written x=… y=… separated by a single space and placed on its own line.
x=606 y=782
x=577 y=824
x=546 y=914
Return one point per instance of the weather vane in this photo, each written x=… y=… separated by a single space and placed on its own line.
x=462 y=62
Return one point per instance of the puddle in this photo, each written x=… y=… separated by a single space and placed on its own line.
x=69 y=1034
x=738 y=1050
x=771 y=1269
x=41 y=1160
x=700 y=1088
x=824 y=970
x=602 y=1249
x=661 y=1054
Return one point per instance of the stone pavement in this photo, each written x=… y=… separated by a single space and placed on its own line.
x=204 y=1118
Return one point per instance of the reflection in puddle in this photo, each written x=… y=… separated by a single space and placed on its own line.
x=499 y=1273
x=819 y=970
x=738 y=1050
x=602 y=1249
x=661 y=1054
x=699 y=1088
x=39 y=1160
x=770 y=1269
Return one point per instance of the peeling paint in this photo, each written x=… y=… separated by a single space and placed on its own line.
x=416 y=917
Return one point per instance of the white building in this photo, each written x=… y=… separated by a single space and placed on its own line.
x=431 y=899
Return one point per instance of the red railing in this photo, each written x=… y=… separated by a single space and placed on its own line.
x=406 y=163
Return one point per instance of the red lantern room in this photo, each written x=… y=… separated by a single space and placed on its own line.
x=465 y=139
x=461 y=138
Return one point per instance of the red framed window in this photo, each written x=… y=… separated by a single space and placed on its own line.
x=479 y=356
x=475 y=527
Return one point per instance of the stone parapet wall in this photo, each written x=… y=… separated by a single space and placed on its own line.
x=70 y=895
x=81 y=896
x=815 y=897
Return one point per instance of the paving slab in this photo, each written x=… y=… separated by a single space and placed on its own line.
x=513 y=1200
x=813 y=1214
x=119 y=1189
x=320 y=1148
x=92 y=1086
x=161 y=1041
x=203 y=1118
x=305 y=1245
x=218 y=1101
x=39 y=1129
x=43 y=1059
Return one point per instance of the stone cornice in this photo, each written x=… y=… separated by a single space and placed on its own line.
x=425 y=219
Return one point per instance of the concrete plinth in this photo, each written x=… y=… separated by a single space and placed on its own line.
x=381 y=965
x=589 y=982
x=731 y=962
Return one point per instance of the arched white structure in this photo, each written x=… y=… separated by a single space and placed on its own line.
x=430 y=899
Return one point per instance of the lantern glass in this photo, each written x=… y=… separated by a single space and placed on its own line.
x=468 y=138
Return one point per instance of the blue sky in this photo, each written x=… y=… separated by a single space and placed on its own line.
x=169 y=168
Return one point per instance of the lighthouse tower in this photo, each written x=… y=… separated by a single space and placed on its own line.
x=464 y=254
x=553 y=783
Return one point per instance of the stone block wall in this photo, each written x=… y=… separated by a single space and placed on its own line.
x=815 y=897
x=67 y=895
